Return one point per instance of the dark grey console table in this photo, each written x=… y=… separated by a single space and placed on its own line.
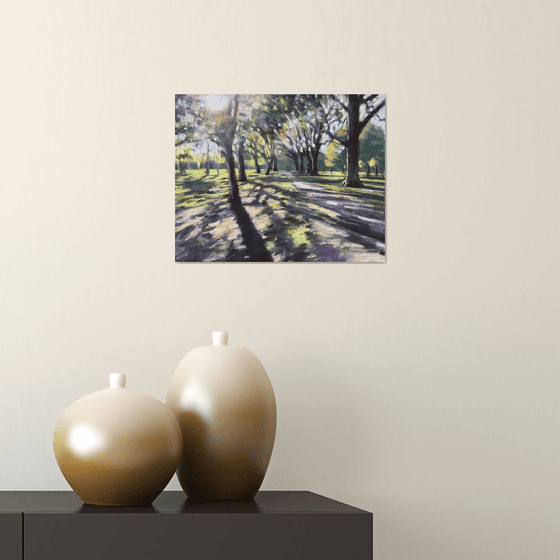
x=273 y=526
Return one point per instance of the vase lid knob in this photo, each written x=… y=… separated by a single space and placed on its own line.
x=117 y=380
x=220 y=338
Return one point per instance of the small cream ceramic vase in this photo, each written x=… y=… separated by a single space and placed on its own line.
x=117 y=447
x=225 y=404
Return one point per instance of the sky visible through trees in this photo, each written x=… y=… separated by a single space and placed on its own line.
x=280 y=178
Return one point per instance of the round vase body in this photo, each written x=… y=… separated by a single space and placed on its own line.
x=117 y=447
x=225 y=404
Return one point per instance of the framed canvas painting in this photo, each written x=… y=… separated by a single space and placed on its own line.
x=280 y=178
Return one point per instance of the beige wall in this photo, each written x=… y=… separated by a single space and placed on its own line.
x=425 y=390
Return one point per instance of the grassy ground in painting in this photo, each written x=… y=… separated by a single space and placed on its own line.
x=283 y=217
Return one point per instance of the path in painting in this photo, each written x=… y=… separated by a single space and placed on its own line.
x=282 y=217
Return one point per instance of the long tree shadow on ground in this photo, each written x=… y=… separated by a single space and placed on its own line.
x=254 y=243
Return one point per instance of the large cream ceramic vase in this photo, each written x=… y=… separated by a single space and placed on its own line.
x=225 y=404
x=118 y=447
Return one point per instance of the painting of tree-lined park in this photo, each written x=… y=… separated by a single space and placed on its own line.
x=280 y=178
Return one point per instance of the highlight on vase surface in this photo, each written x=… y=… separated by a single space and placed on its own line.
x=280 y=178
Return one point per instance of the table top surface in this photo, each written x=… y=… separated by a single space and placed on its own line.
x=176 y=502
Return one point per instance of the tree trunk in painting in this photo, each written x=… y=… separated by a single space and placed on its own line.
x=207 y=159
x=295 y=161
x=368 y=170
x=256 y=160
x=269 y=160
x=241 y=161
x=268 y=166
x=233 y=186
x=274 y=163
x=353 y=143
x=314 y=162
x=309 y=162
